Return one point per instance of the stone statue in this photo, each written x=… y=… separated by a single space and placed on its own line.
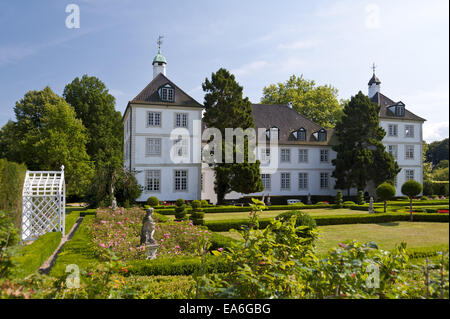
x=268 y=200
x=309 y=202
x=148 y=229
x=371 y=211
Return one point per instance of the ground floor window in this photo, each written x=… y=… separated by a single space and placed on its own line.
x=324 y=180
x=285 y=181
x=302 y=180
x=180 y=183
x=409 y=174
x=265 y=178
x=153 y=180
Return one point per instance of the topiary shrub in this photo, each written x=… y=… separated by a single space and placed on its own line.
x=338 y=201
x=196 y=204
x=360 y=198
x=204 y=203
x=411 y=188
x=197 y=215
x=385 y=191
x=180 y=210
x=302 y=219
x=153 y=201
x=349 y=203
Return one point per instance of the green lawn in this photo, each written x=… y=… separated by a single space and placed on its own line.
x=387 y=235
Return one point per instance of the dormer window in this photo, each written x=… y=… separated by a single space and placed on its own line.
x=322 y=135
x=273 y=130
x=167 y=93
x=397 y=109
x=300 y=134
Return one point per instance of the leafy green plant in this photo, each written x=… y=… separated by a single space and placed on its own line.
x=411 y=188
x=153 y=201
x=338 y=201
x=385 y=191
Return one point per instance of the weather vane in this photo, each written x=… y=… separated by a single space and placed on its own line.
x=159 y=42
x=373 y=67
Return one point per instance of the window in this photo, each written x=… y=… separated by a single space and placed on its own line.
x=273 y=130
x=324 y=156
x=180 y=147
x=153 y=180
x=167 y=93
x=285 y=155
x=322 y=135
x=265 y=155
x=409 y=174
x=153 y=147
x=285 y=181
x=392 y=149
x=180 y=183
x=324 y=180
x=302 y=180
x=181 y=120
x=153 y=119
x=409 y=151
x=392 y=130
x=409 y=130
x=266 y=181
x=400 y=110
x=303 y=155
x=300 y=134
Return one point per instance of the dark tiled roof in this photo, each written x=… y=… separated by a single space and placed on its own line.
x=288 y=120
x=374 y=79
x=149 y=95
x=384 y=102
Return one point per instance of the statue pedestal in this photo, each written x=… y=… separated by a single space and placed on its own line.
x=150 y=251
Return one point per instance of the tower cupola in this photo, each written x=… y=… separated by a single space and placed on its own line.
x=159 y=62
x=374 y=84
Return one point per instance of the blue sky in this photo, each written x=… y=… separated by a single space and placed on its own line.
x=261 y=42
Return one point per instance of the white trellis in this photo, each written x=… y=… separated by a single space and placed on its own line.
x=43 y=203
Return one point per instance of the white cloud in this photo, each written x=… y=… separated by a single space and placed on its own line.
x=435 y=131
x=301 y=44
x=250 y=67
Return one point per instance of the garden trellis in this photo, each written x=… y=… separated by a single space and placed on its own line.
x=43 y=203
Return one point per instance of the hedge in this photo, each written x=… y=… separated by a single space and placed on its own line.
x=174 y=266
x=225 y=225
x=423 y=252
x=220 y=241
x=27 y=259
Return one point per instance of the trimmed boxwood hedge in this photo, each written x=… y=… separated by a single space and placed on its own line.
x=225 y=225
x=28 y=259
x=174 y=266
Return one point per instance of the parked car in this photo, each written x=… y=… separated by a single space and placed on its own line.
x=293 y=201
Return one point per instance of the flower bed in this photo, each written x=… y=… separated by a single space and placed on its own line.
x=120 y=229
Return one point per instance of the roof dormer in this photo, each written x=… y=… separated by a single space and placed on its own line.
x=300 y=134
x=271 y=131
x=321 y=135
x=167 y=93
x=397 y=109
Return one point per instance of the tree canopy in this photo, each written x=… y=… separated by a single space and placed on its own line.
x=317 y=103
x=437 y=151
x=46 y=135
x=361 y=156
x=226 y=108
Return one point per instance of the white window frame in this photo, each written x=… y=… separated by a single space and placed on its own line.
x=153 y=180
x=409 y=175
x=285 y=181
x=178 y=178
x=324 y=177
x=266 y=181
x=148 y=146
x=324 y=156
x=409 y=130
x=409 y=152
x=303 y=180
x=265 y=155
x=303 y=158
x=155 y=119
x=393 y=130
x=285 y=155
x=180 y=145
x=181 y=120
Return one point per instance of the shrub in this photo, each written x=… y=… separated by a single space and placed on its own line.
x=196 y=204
x=302 y=219
x=204 y=203
x=338 y=200
x=197 y=215
x=180 y=202
x=349 y=203
x=411 y=188
x=424 y=198
x=180 y=212
x=220 y=241
x=360 y=198
x=153 y=201
x=385 y=191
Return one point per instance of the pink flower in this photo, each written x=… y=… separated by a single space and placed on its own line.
x=102 y=245
x=177 y=247
x=166 y=236
x=220 y=249
x=103 y=221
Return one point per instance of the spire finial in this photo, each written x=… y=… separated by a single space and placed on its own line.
x=373 y=67
x=159 y=42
